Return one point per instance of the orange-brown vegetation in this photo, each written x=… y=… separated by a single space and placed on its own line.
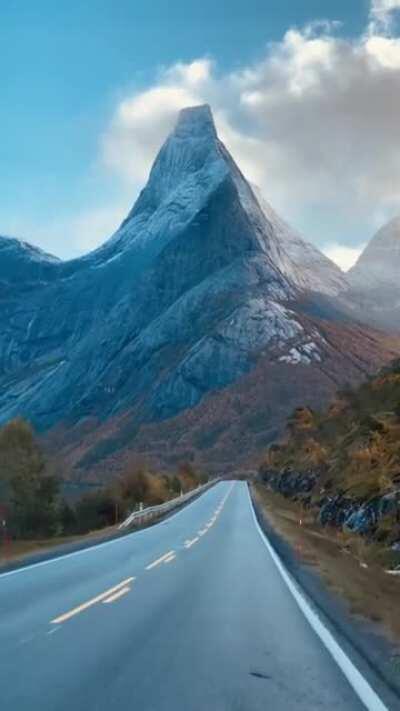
x=227 y=431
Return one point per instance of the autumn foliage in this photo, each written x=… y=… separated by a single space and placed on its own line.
x=31 y=490
x=354 y=444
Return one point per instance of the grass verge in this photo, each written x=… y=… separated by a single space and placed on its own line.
x=346 y=564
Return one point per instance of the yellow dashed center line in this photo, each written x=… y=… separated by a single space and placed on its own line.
x=116 y=595
x=189 y=544
x=170 y=558
x=90 y=603
x=118 y=591
x=161 y=560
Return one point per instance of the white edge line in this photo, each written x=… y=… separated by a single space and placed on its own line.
x=360 y=685
x=106 y=543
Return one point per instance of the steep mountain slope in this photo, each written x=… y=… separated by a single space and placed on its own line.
x=374 y=285
x=300 y=261
x=229 y=429
x=201 y=282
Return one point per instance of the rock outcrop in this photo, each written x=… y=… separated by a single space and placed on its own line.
x=336 y=509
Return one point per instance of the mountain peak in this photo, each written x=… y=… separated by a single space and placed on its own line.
x=195 y=121
x=193 y=169
x=188 y=167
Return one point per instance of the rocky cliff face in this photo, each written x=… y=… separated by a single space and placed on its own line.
x=201 y=280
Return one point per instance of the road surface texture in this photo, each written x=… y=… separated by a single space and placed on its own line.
x=189 y=615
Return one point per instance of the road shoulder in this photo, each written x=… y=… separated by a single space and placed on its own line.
x=374 y=653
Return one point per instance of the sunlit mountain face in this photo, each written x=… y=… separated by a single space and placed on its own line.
x=202 y=284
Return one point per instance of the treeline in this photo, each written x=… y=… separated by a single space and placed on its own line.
x=32 y=504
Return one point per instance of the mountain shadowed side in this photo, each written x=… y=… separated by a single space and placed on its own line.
x=201 y=283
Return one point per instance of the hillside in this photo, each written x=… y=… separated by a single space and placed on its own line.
x=344 y=463
x=229 y=429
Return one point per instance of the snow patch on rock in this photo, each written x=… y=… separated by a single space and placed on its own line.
x=304 y=353
x=260 y=322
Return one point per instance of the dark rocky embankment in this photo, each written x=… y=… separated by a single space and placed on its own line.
x=370 y=518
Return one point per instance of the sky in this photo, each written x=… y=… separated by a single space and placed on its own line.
x=305 y=94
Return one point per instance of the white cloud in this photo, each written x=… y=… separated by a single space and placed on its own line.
x=344 y=257
x=142 y=121
x=315 y=123
x=381 y=15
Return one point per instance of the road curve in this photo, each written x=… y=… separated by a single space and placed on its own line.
x=189 y=615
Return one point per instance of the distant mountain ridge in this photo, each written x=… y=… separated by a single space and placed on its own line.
x=379 y=263
x=20 y=260
x=200 y=284
x=373 y=292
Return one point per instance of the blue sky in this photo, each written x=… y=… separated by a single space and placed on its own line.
x=65 y=69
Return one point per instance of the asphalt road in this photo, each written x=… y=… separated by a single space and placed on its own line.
x=189 y=615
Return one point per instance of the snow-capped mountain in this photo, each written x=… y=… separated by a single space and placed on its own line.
x=201 y=282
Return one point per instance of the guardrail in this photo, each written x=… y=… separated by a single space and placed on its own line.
x=139 y=518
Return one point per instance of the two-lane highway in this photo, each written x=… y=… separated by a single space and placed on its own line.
x=189 y=615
